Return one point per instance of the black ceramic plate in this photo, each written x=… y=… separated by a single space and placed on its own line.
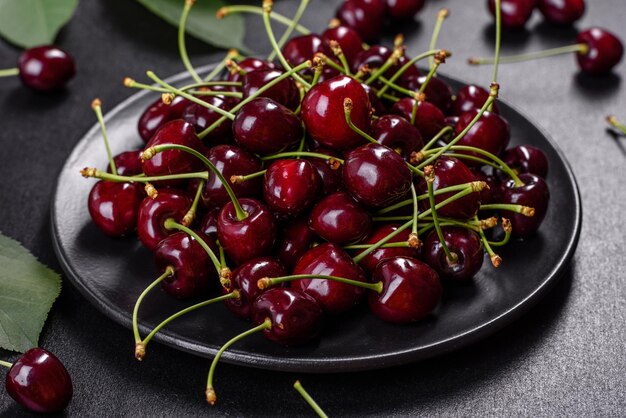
x=111 y=273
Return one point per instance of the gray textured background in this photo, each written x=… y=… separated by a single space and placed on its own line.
x=566 y=357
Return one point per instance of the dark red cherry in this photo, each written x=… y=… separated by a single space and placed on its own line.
x=158 y=114
x=349 y=40
x=429 y=120
x=285 y=92
x=114 y=206
x=490 y=133
x=535 y=194
x=329 y=174
x=290 y=186
x=398 y=134
x=470 y=97
x=375 y=175
x=232 y=161
x=330 y=260
x=323 y=112
x=605 y=51
x=174 y=161
x=449 y=172
x=247 y=65
x=39 y=382
x=404 y=9
x=437 y=92
x=378 y=107
x=338 y=218
x=153 y=213
x=411 y=290
x=488 y=194
x=562 y=12
x=208 y=224
x=462 y=242
x=202 y=117
x=304 y=47
x=376 y=55
x=245 y=277
x=46 y=68
x=264 y=127
x=370 y=261
x=194 y=274
x=296 y=317
x=248 y=238
x=127 y=163
x=526 y=159
x=515 y=13
x=366 y=17
x=295 y=239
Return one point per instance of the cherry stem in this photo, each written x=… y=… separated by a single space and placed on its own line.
x=436 y=138
x=474 y=185
x=392 y=60
x=347 y=111
x=420 y=93
x=103 y=175
x=242 y=179
x=329 y=62
x=131 y=83
x=232 y=295
x=8 y=72
x=496 y=260
x=442 y=221
x=415 y=208
x=292 y=25
x=266 y=282
x=230 y=55
x=408 y=65
x=496 y=59
x=298 y=386
x=149 y=152
x=191 y=213
x=338 y=52
x=612 y=120
x=171 y=224
x=96 y=105
x=302 y=154
x=169 y=272
x=228 y=10
x=579 y=48
x=190 y=97
x=521 y=209
x=429 y=172
x=396 y=87
x=6 y=364
x=403 y=244
x=267 y=9
x=210 y=391
x=357 y=259
x=441 y=16
x=182 y=49
x=261 y=90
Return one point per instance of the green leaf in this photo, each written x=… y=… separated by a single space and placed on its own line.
x=202 y=23
x=27 y=291
x=29 y=23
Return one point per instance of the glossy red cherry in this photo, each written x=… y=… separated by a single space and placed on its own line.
x=264 y=127
x=290 y=186
x=247 y=65
x=366 y=17
x=515 y=13
x=323 y=112
x=39 y=382
x=245 y=277
x=398 y=134
x=248 y=238
x=202 y=117
x=158 y=114
x=304 y=47
x=295 y=239
x=411 y=290
x=490 y=133
x=370 y=261
x=535 y=194
x=349 y=40
x=437 y=92
x=153 y=213
x=330 y=260
x=429 y=120
x=605 y=51
x=338 y=218
x=462 y=242
x=127 y=163
x=404 y=9
x=526 y=159
x=296 y=317
x=470 y=97
x=194 y=274
x=562 y=12
x=46 y=68
x=376 y=176
x=114 y=206
x=284 y=92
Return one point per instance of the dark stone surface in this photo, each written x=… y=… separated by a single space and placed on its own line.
x=566 y=357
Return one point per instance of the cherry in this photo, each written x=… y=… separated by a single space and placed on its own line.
x=375 y=175
x=39 y=382
x=323 y=114
x=471 y=97
x=284 y=92
x=248 y=238
x=46 y=68
x=290 y=186
x=604 y=52
x=296 y=317
x=463 y=243
x=366 y=17
x=429 y=120
x=437 y=91
x=159 y=113
x=245 y=277
x=535 y=194
x=231 y=161
x=153 y=213
x=193 y=273
x=173 y=161
x=562 y=12
x=404 y=9
x=128 y=163
x=488 y=194
x=338 y=218
x=398 y=134
x=526 y=159
x=411 y=290
x=264 y=126
x=490 y=133
x=370 y=261
x=375 y=56
x=202 y=117
x=303 y=48
x=329 y=174
x=330 y=260
x=114 y=206
x=515 y=13
x=349 y=40
x=247 y=65
x=295 y=239
x=208 y=224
